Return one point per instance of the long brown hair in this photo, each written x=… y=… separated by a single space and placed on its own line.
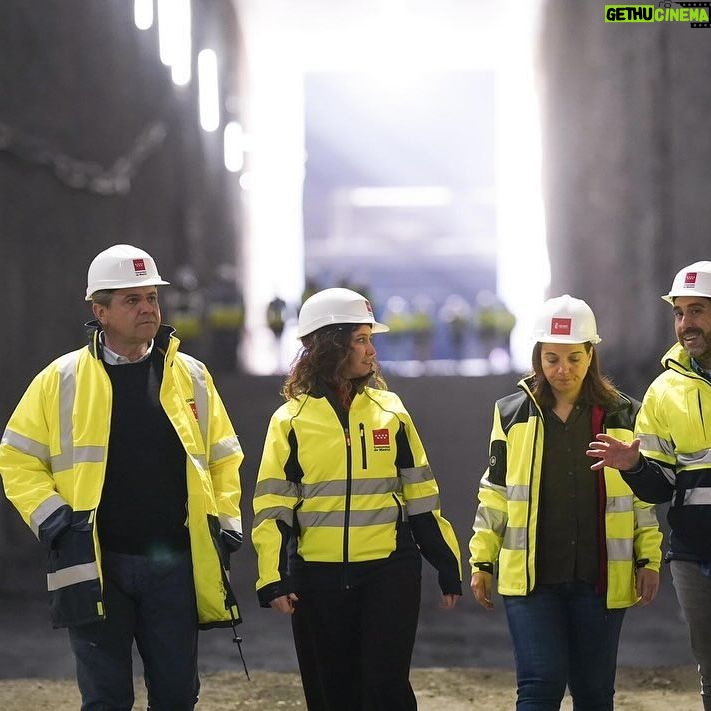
x=322 y=361
x=597 y=388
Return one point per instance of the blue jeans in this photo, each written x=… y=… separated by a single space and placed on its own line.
x=152 y=601
x=564 y=635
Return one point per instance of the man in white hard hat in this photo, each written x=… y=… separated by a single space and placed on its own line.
x=121 y=458
x=670 y=459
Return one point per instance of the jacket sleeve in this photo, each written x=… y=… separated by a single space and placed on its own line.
x=653 y=479
x=491 y=516
x=224 y=455
x=26 y=461
x=647 y=536
x=275 y=498
x=432 y=532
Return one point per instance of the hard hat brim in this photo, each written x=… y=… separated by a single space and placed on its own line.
x=566 y=340
x=669 y=298
x=151 y=281
x=376 y=326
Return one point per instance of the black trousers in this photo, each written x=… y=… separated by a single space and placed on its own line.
x=354 y=646
x=152 y=601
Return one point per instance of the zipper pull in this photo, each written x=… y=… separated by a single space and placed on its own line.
x=348 y=437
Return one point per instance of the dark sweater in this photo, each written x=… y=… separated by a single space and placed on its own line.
x=143 y=505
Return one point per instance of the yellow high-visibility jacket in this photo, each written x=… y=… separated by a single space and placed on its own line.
x=507 y=517
x=673 y=426
x=341 y=491
x=53 y=461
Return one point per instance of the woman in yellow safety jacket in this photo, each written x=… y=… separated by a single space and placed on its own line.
x=345 y=505
x=572 y=548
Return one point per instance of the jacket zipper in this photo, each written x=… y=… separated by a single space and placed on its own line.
x=363 y=453
x=347 y=507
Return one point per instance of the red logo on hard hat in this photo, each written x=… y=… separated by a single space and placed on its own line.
x=561 y=326
x=690 y=280
x=139 y=267
x=368 y=306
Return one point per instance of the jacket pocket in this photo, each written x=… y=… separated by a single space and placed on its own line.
x=363 y=448
x=75 y=544
x=73 y=574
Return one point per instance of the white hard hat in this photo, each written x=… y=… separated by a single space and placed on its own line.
x=333 y=306
x=694 y=280
x=121 y=266
x=565 y=319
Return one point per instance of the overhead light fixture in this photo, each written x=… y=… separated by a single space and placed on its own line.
x=208 y=90
x=143 y=14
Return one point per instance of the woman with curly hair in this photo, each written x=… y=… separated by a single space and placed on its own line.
x=345 y=505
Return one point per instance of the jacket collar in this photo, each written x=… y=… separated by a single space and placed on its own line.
x=93 y=329
x=526 y=384
x=678 y=360
x=676 y=354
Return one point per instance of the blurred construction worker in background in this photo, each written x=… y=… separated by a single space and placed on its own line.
x=457 y=313
x=670 y=459
x=224 y=320
x=122 y=459
x=422 y=327
x=276 y=322
x=185 y=311
x=493 y=323
x=397 y=319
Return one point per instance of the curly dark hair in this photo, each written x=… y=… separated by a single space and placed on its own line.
x=597 y=389
x=321 y=361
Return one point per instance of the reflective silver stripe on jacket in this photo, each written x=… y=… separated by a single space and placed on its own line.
x=69 y=455
x=619 y=504
x=423 y=505
x=44 y=511
x=359 y=487
x=277 y=487
x=72 y=575
x=416 y=475
x=490 y=519
x=697 y=497
x=230 y=523
x=372 y=517
x=199 y=461
x=224 y=448
x=197 y=375
x=645 y=517
x=654 y=443
x=619 y=549
x=515 y=538
x=28 y=446
x=517 y=492
x=276 y=513
x=486 y=483
x=703 y=456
